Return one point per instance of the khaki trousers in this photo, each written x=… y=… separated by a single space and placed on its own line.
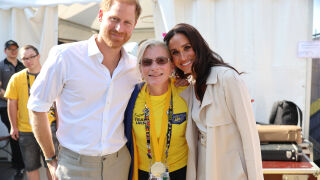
x=74 y=166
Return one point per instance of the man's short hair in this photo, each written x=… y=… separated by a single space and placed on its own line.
x=26 y=47
x=10 y=43
x=106 y=4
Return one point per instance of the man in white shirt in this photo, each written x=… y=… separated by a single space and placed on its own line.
x=91 y=82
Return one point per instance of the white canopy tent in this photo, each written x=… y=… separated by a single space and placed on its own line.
x=258 y=37
x=38 y=21
x=79 y=21
x=32 y=22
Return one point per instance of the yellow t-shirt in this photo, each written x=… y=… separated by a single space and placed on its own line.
x=178 y=150
x=18 y=89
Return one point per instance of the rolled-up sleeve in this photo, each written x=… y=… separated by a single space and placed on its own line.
x=12 y=89
x=49 y=83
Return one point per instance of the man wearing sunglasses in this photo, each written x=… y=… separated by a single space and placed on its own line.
x=8 y=67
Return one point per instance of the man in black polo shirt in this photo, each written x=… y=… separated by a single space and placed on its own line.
x=8 y=67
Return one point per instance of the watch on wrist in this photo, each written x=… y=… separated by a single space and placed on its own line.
x=51 y=159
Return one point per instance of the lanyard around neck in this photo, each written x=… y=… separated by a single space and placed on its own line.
x=28 y=79
x=151 y=130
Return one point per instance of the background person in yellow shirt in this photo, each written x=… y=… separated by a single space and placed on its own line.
x=17 y=93
x=155 y=118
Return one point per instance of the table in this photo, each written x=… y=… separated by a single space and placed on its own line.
x=305 y=169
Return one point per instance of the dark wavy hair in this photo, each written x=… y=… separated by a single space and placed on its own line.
x=205 y=57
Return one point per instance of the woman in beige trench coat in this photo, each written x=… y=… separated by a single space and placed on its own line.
x=221 y=131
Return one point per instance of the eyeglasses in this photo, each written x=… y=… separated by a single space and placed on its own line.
x=29 y=58
x=159 y=60
x=12 y=50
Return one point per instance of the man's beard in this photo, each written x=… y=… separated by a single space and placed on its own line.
x=116 y=43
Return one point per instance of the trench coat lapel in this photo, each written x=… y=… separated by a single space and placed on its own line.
x=208 y=96
x=187 y=96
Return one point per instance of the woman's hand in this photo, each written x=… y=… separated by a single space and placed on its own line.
x=181 y=82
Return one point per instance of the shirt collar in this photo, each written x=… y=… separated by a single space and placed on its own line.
x=124 y=56
x=215 y=71
x=8 y=62
x=93 y=48
x=129 y=60
x=213 y=77
x=125 y=59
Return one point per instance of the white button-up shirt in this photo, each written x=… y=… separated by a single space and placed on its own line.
x=90 y=103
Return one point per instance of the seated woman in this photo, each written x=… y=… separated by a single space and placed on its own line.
x=155 y=118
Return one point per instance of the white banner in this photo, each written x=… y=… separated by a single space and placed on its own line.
x=309 y=49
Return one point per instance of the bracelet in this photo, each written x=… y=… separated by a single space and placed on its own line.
x=51 y=159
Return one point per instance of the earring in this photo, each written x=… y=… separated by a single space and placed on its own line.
x=173 y=74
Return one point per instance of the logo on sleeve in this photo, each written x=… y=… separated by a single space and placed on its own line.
x=179 y=118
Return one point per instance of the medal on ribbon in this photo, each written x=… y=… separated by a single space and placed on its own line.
x=158 y=169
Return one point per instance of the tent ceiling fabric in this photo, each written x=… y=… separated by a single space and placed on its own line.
x=38 y=27
x=83 y=14
x=7 y=4
x=77 y=12
x=87 y=14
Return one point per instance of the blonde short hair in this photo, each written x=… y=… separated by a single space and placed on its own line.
x=149 y=43
x=144 y=46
